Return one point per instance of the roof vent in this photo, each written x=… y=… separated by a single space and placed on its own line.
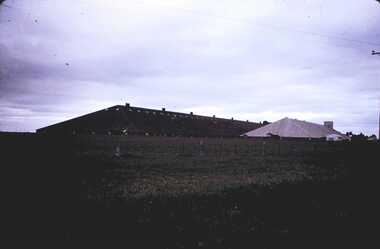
x=329 y=124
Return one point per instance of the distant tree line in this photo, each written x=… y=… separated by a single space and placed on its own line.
x=361 y=136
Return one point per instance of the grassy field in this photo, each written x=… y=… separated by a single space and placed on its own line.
x=138 y=167
x=168 y=192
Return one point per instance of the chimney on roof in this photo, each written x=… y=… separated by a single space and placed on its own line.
x=163 y=109
x=191 y=113
x=127 y=105
x=329 y=124
x=213 y=116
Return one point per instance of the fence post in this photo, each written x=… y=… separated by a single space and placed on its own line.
x=201 y=147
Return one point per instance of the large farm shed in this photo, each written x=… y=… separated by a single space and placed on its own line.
x=293 y=128
x=128 y=120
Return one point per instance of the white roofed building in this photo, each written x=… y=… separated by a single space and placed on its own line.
x=293 y=128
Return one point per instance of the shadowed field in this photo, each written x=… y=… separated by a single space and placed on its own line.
x=167 y=192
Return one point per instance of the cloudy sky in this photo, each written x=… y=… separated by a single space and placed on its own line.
x=247 y=59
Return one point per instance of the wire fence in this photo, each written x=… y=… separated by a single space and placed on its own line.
x=169 y=146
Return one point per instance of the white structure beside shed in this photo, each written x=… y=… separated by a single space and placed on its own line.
x=294 y=128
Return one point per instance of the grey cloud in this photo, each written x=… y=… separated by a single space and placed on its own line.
x=245 y=60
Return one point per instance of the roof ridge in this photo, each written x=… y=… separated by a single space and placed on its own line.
x=302 y=128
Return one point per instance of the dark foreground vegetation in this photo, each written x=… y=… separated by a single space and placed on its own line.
x=152 y=192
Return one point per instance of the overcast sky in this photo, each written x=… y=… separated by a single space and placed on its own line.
x=256 y=60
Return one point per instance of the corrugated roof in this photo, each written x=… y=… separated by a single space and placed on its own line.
x=288 y=127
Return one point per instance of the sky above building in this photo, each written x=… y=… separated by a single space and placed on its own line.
x=256 y=60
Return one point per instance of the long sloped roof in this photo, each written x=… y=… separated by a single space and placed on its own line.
x=288 y=127
x=126 y=119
